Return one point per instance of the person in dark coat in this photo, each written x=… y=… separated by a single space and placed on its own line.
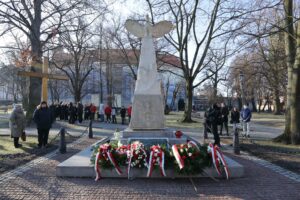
x=72 y=113
x=224 y=118
x=213 y=117
x=57 y=110
x=87 y=112
x=66 y=111
x=123 y=114
x=235 y=118
x=79 y=111
x=53 y=110
x=61 y=111
x=43 y=118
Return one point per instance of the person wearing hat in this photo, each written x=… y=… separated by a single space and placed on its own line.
x=43 y=117
x=17 y=124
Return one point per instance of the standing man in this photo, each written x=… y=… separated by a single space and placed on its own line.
x=123 y=114
x=224 y=121
x=246 y=118
x=86 y=112
x=72 y=113
x=43 y=118
x=212 y=116
x=79 y=112
x=61 y=111
x=235 y=118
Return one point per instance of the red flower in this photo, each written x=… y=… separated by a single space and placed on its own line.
x=178 y=134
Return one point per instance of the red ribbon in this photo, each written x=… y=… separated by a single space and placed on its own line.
x=105 y=153
x=156 y=156
x=217 y=158
x=177 y=156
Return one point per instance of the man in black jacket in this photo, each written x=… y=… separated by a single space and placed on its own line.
x=212 y=116
x=43 y=117
x=72 y=113
x=79 y=111
x=123 y=114
x=224 y=120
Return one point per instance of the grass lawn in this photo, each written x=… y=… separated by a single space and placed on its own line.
x=173 y=120
x=7 y=145
x=10 y=157
x=269 y=119
x=3 y=123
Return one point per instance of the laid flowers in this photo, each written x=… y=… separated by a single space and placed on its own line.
x=186 y=159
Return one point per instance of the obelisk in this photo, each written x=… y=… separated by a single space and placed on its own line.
x=147 y=106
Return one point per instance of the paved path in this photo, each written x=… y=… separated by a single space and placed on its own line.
x=39 y=182
x=257 y=130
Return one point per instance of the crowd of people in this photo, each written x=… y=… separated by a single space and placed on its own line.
x=44 y=116
x=79 y=112
x=217 y=115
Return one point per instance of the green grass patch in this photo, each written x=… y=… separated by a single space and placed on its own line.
x=173 y=120
x=7 y=145
x=269 y=119
x=11 y=157
x=4 y=123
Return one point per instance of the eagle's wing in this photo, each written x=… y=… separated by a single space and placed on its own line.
x=135 y=28
x=161 y=28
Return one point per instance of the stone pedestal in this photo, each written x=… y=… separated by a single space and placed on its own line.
x=147 y=113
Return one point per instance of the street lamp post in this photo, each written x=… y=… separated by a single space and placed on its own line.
x=242 y=87
x=236 y=143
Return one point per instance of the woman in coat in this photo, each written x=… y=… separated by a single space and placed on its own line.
x=17 y=123
x=43 y=118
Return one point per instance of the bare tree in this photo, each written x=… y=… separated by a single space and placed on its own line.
x=39 y=21
x=187 y=17
x=77 y=62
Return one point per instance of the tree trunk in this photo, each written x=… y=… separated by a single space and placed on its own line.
x=266 y=103
x=290 y=53
x=77 y=95
x=259 y=105
x=254 y=109
x=277 y=105
x=187 y=117
x=35 y=84
x=240 y=103
x=295 y=96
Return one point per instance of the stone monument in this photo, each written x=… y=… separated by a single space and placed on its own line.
x=147 y=107
x=147 y=120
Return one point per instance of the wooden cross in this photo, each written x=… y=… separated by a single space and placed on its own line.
x=44 y=76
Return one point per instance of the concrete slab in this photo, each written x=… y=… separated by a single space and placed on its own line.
x=79 y=165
